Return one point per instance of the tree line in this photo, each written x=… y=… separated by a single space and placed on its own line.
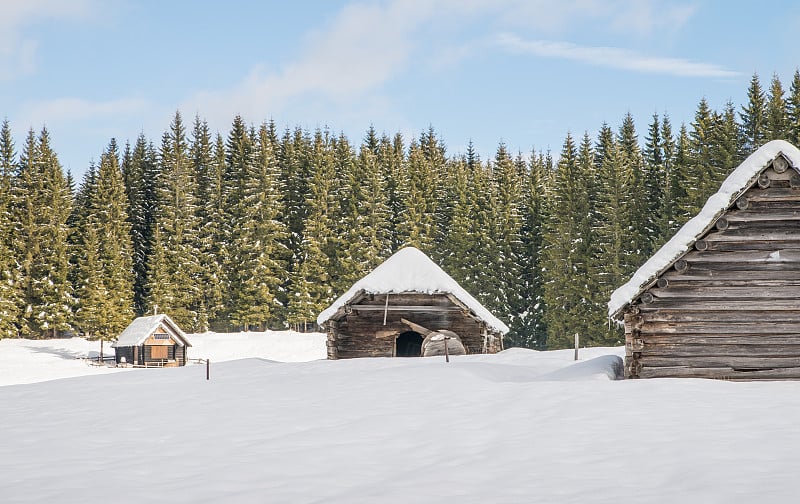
x=264 y=229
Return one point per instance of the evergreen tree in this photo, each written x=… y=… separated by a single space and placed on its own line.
x=567 y=253
x=257 y=250
x=209 y=171
x=10 y=294
x=793 y=110
x=105 y=274
x=704 y=172
x=754 y=116
x=310 y=287
x=180 y=293
x=506 y=242
x=42 y=207
x=776 y=117
x=668 y=199
x=140 y=171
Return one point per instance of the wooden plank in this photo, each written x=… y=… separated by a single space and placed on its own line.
x=728 y=292
x=721 y=350
x=713 y=340
x=721 y=326
x=755 y=194
x=719 y=373
x=759 y=215
x=709 y=361
x=721 y=305
x=691 y=315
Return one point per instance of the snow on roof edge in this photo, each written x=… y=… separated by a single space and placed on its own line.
x=410 y=270
x=141 y=328
x=733 y=187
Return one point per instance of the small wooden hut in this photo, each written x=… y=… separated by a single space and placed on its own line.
x=722 y=298
x=152 y=341
x=372 y=318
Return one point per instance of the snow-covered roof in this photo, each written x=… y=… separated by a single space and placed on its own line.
x=734 y=186
x=410 y=270
x=142 y=327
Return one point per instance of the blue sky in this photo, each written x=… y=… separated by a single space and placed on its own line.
x=519 y=71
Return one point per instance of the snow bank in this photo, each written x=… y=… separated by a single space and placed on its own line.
x=483 y=428
x=410 y=270
x=733 y=187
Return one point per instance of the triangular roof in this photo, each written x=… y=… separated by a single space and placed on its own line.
x=410 y=270
x=732 y=188
x=141 y=328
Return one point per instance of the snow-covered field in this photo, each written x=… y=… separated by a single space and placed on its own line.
x=520 y=426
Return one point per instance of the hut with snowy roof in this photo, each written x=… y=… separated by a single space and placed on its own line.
x=722 y=298
x=152 y=341
x=378 y=315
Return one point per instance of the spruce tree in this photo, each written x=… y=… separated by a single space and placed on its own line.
x=42 y=206
x=258 y=254
x=310 y=289
x=775 y=127
x=754 y=116
x=793 y=110
x=10 y=294
x=506 y=242
x=209 y=197
x=176 y=220
x=567 y=254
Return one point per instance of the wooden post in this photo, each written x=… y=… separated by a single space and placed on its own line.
x=386 y=309
x=101 y=351
x=577 y=344
x=446 y=354
x=208 y=366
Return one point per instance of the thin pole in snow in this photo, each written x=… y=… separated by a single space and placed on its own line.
x=577 y=343
x=446 y=353
x=208 y=366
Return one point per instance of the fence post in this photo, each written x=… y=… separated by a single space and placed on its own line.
x=208 y=367
x=577 y=344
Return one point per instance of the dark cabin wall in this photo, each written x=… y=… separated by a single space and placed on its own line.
x=362 y=333
x=734 y=312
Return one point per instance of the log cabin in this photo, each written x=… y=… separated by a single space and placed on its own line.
x=721 y=299
x=154 y=341
x=372 y=318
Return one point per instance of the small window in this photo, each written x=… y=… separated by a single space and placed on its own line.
x=161 y=336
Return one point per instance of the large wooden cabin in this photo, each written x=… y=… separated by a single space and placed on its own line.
x=722 y=298
x=367 y=320
x=152 y=341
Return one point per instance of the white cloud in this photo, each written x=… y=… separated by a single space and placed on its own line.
x=17 y=49
x=614 y=57
x=76 y=110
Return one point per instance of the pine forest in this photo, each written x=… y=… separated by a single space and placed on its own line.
x=262 y=228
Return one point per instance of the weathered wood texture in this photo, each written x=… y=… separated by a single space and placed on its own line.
x=730 y=307
x=360 y=329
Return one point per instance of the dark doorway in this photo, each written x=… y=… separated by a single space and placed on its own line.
x=408 y=344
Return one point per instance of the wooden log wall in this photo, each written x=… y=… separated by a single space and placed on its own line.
x=362 y=333
x=730 y=308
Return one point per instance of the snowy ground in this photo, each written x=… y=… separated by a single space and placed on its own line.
x=520 y=426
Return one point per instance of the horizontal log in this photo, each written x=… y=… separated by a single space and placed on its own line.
x=721 y=326
x=784 y=254
x=718 y=305
x=726 y=292
x=760 y=215
x=712 y=339
x=692 y=315
x=407 y=308
x=721 y=350
x=718 y=373
x=757 y=195
x=732 y=362
x=735 y=279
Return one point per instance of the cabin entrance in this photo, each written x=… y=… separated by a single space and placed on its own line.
x=408 y=344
